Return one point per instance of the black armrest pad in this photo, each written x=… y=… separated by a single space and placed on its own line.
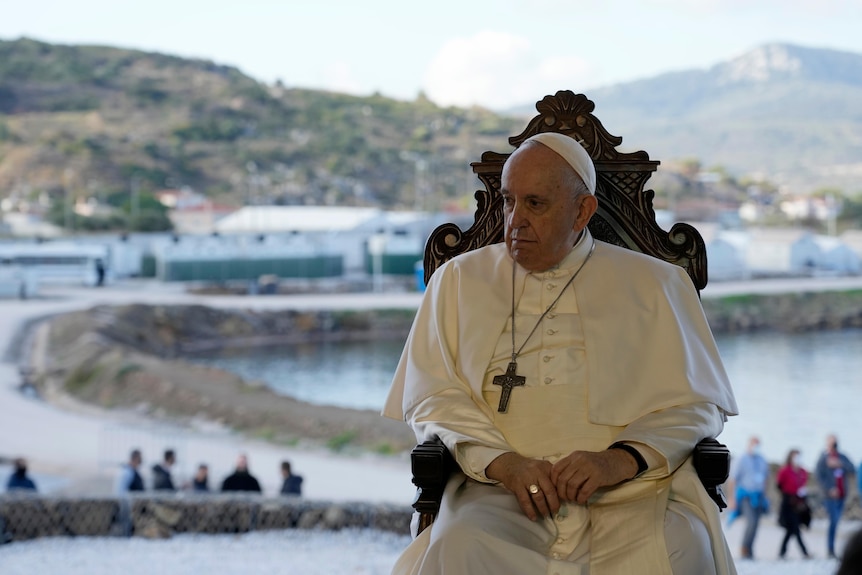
x=712 y=462
x=432 y=464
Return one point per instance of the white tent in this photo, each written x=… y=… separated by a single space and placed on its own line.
x=837 y=257
x=781 y=252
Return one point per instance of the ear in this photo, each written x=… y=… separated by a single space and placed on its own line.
x=588 y=206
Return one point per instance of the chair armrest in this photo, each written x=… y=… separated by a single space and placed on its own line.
x=712 y=462
x=431 y=464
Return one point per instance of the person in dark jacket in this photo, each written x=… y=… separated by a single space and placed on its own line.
x=292 y=484
x=201 y=480
x=162 y=480
x=834 y=472
x=129 y=479
x=19 y=480
x=241 y=479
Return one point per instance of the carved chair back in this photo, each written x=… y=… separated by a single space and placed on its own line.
x=625 y=215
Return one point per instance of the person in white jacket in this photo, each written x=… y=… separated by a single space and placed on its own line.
x=571 y=380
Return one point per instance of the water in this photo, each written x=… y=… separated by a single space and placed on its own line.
x=792 y=389
x=355 y=374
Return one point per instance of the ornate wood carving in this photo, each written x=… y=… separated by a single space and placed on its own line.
x=625 y=216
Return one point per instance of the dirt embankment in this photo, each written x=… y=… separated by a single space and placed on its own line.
x=131 y=357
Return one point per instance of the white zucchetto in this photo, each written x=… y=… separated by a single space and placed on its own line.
x=572 y=152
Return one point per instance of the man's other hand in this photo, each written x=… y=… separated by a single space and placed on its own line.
x=519 y=474
x=578 y=475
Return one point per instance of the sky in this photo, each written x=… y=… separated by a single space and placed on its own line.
x=496 y=54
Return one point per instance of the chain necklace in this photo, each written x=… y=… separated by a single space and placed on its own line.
x=511 y=379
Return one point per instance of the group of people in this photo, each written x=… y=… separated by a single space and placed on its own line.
x=241 y=479
x=750 y=477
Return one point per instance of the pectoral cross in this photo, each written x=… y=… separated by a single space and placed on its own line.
x=507 y=381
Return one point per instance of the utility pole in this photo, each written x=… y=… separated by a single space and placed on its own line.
x=135 y=207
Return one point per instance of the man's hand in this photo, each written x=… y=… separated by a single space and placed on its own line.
x=518 y=474
x=579 y=474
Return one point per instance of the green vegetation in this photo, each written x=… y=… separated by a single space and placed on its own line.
x=127 y=369
x=88 y=121
x=342 y=440
x=81 y=377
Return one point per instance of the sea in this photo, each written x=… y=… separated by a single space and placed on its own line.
x=793 y=389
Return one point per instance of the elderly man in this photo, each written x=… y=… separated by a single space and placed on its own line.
x=571 y=380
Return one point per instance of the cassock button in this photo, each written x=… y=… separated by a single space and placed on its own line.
x=551 y=286
x=551 y=331
x=549 y=379
x=557 y=556
x=551 y=315
x=561 y=540
x=546 y=359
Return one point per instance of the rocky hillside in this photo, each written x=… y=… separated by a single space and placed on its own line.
x=100 y=121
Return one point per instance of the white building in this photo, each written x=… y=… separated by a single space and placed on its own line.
x=781 y=252
x=837 y=257
x=725 y=259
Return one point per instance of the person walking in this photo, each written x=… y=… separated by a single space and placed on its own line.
x=750 y=474
x=833 y=471
x=792 y=479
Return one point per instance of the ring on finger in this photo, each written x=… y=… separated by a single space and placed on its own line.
x=533 y=488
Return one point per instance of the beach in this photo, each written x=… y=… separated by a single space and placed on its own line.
x=76 y=449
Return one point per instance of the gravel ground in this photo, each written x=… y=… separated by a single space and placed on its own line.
x=294 y=552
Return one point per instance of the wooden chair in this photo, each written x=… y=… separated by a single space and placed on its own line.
x=625 y=217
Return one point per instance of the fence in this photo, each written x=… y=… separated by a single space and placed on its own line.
x=24 y=516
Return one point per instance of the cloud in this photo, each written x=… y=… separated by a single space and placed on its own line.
x=498 y=70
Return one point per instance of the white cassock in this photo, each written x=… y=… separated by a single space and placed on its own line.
x=625 y=355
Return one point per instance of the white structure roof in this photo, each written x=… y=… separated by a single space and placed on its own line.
x=274 y=219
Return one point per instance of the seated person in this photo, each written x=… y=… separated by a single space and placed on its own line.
x=571 y=380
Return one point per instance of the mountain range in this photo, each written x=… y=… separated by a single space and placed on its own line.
x=96 y=121
x=789 y=114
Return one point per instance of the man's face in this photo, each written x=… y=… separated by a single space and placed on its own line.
x=542 y=216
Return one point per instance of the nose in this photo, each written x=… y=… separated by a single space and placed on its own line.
x=515 y=218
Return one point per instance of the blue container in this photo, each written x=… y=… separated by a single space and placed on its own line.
x=419 y=270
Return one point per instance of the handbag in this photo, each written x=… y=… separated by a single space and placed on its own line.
x=802 y=510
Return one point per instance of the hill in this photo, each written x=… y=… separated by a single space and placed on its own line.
x=103 y=122
x=789 y=113
x=97 y=121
